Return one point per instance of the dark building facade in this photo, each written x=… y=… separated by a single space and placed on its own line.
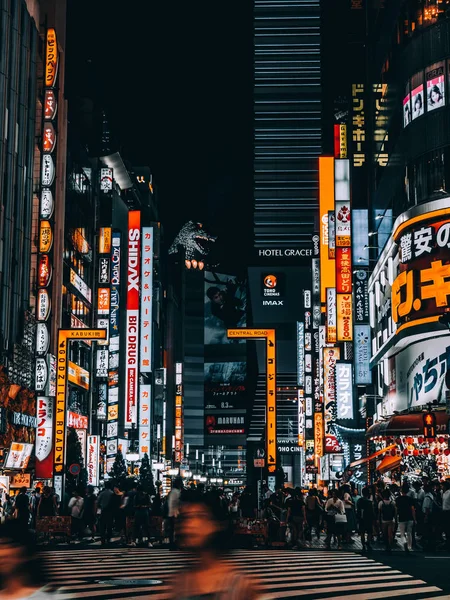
x=287 y=123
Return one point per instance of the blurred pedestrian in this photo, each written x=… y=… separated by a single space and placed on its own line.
x=387 y=511
x=21 y=570
x=296 y=516
x=349 y=512
x=314 y=510
x=142 y=518
x=118 y=511
x=201 y=533
x=22 y=507
x=173 y=509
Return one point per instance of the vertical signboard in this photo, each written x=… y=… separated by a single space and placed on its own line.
x=144 y=420
x=344 y=317
x=112 y=428
x=44 y=437
x=363 y=374
x=300 y=354
x=179 y=419
x=319 y=435
x=326 y=204
x=146 y=301
x=92 y=463
x=330 y=356
x=132 y=332
x=344 y=390
x=331 y=316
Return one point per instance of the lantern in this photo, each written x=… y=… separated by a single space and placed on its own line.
x=415 y=453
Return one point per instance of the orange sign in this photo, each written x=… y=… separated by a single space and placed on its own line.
x=104 y=240
x=319 y=434
x=78 y=375
x=326 y=204
x=51 y=58
x=103 y=301
x=271 y=404
x=45 y=237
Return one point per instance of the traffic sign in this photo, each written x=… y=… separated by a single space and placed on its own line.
x=74 y=469
x=259 y=462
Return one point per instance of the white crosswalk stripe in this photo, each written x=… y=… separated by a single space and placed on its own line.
x=97 y=574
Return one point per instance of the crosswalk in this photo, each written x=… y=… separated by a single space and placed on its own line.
x=108 y=574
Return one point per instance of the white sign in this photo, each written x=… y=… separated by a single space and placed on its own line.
x=4 y=486
x=48 y=170
x=80 y=285
x=19 y=456
x=50 y=389
x=42 y=339
x=82 y=436
x=92 y=463
x=40 y=375
x=47 y=204
x=102 y=362
x=144 y=420
x=344 y=390
x=43 y=305
x=363 y=374
x=146 y=300
x=106 y=179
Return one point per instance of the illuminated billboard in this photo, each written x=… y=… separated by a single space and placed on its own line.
x=225 y=306
x=145 y=355
x=132 y=322
x=326 y=204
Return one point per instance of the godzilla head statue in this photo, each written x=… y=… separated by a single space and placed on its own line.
x=194 y=241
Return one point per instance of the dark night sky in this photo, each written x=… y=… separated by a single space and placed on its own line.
x=176 y=80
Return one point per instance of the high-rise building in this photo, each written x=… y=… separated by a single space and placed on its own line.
x=287 y=123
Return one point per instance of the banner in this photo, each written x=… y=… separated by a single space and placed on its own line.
x=344 y=390
x=44 y=437
x=144 y=420
x=93 y=447
x=146 y=301
x=132 y=333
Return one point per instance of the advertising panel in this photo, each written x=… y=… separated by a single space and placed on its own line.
x=44 y=437
x=225 y=307
x=76 y=420
x=50 y=105
x=51 y=58
x=331 y=234
x=146 y=342
x=434 y=76
x=343 y=270
x=344 y=317
x=78 y=375
x=300 y=354
x=360 y=237
x=331 y=316
x=179 y=417
x=132 y=333
x=344 y=390
x=104 y=240
x=343 y=224
x=18 y=456
x=362 y=349
x=330 y=356
x=144 y=420
x=80 y=286
x=407 y=109
x=106 y=179
x=102 y=362
x=103 y=269
x=103 y=301
x=92 y=463
x=319 y=434
x=40 y=375
x=233 y=424
x=225 y=384
x=417 y=101
x=326 y=204
x=361 y=295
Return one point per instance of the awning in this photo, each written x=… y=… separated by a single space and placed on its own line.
x=389 y=463
x=408 y=424
x=367 y=459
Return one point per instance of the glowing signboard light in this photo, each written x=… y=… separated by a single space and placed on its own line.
x=51 y=58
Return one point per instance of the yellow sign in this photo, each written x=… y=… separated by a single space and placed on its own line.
x=45 y=237
x=51 y=58
x=61 y=384
x=271 y=408
x=78 y=375
x=326 y=204
x=343 y=140
x=344 y=317
x=104 y=242
x=319 y=435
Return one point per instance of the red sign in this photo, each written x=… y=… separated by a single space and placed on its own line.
x=332 y=445
x=44 y=271
x=44 y=438
x=50 y=105
x=133 y=280
x=343 y=270
x=76 y=421
x=49 y=138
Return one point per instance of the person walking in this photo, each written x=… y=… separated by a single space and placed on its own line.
x=335 y=518
x=104 y=505
x=366 y=518
x=142 y=518
x=90 y=511
x=47 y=504
x=296 y=516
x=75 y=506
x=406 y=517
x=314 y=510
x=349 y=512
x=387 y=516
x=22 y=507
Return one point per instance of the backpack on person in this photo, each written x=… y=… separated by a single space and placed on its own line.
x=388 y=511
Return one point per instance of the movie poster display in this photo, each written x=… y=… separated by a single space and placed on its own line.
x=435 y=86
x=225 y=307
x=417 y=102
x=407 y=109
x=225 y=384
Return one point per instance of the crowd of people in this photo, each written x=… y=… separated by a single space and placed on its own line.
x=419 y=512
